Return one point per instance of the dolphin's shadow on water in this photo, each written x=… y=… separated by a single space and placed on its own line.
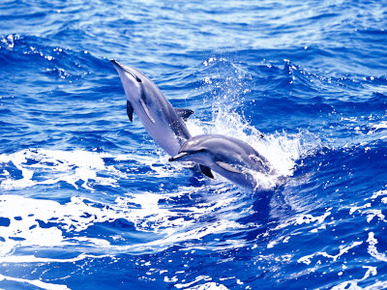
x=262 y=200
x=261 y=219
x=260 y=209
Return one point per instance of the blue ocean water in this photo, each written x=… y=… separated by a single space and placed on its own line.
x=89 y=201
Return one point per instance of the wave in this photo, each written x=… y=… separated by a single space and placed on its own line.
x=19 y=52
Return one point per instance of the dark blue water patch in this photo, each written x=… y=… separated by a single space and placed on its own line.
x=5 y=222
x=12 y=170
x=341 y=174
x=45 y=225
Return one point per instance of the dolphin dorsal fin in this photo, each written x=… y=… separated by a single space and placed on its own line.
x=227 y=167
x=206 y=171
x=146 y=109
x=184 y=113
x=129 y=111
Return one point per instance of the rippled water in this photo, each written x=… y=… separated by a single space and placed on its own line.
x=89 y=201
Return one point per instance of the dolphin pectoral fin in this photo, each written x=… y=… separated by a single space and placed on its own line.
x=227 y=167
x=184 y=113
x=129 y=111
x=206 y=171
x=146 y=109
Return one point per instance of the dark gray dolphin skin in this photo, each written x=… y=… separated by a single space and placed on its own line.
x=230 y=157
x=163 y=122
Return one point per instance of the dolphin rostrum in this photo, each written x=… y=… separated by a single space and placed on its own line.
x=230 y=157
x=163 y=122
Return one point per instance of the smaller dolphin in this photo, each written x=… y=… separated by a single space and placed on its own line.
x=230 y=157
x=163 y=122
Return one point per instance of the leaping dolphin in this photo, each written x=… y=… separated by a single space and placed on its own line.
x=230 y=157
x=163 y=122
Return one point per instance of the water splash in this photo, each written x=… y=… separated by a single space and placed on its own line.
x=226 y=84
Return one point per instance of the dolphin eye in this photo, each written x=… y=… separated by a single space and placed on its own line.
x=138 y=79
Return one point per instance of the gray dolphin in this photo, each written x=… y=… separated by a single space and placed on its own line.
x=163 y=122
x=230 y=157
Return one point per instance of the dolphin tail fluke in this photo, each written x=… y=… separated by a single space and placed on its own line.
x=206 y=171
x=129 y=111
x=184 y=113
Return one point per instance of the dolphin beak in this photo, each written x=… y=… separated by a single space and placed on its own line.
x=121 y=68
x=113 y=61
x=178 y=156
x=117 y=66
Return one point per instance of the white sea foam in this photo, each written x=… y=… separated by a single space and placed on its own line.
x=343 y=250
x=372 y=250
x=53 y=166
x=78 y=168
x=379 y=193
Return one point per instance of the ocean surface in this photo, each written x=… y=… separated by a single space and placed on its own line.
x=89 y=201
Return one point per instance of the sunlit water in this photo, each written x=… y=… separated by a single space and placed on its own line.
x=89 y=201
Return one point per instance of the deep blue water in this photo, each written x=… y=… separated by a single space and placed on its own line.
x=89 y=201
